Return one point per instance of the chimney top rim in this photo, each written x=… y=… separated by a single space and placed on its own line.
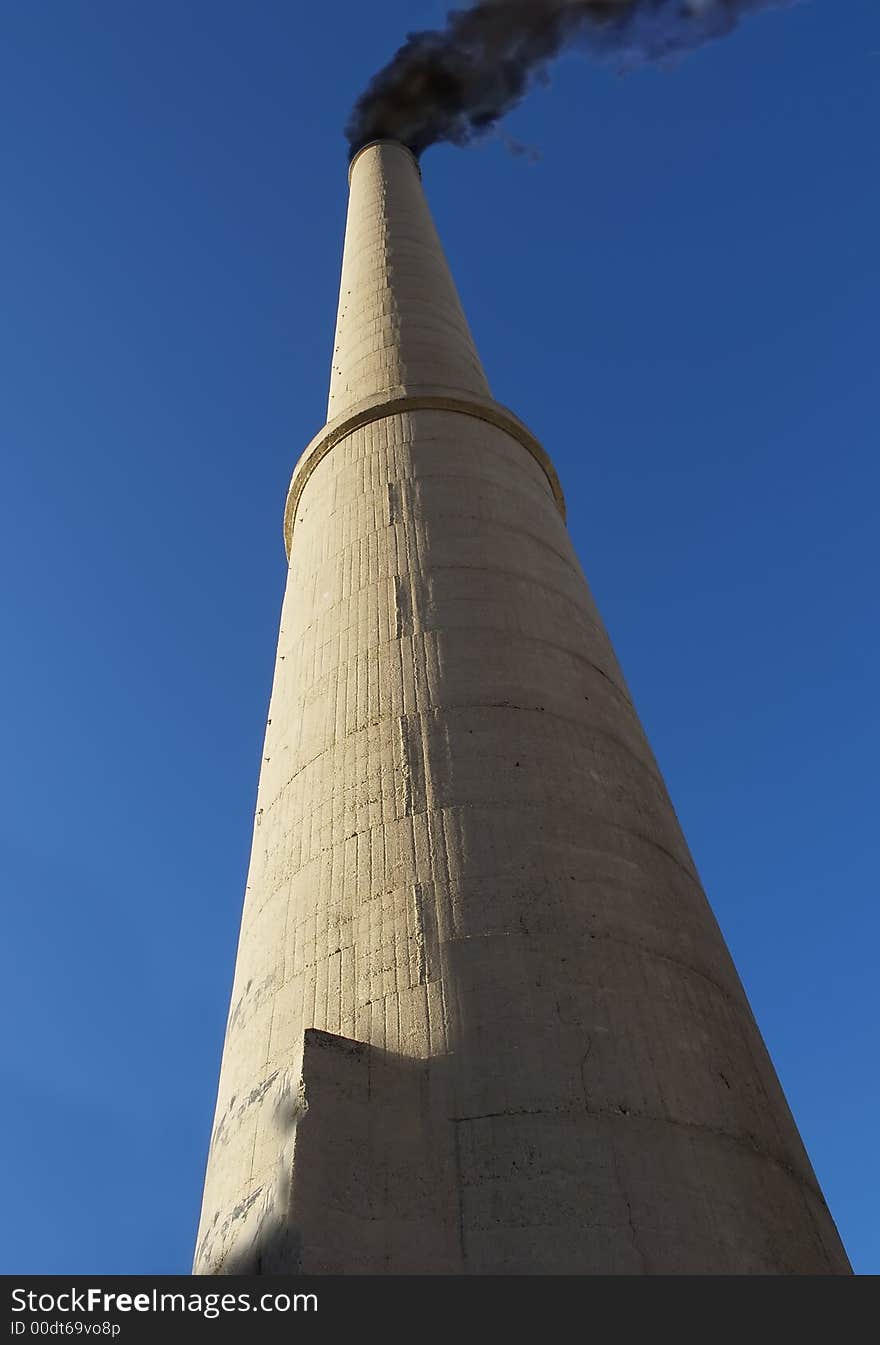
x=384 y=140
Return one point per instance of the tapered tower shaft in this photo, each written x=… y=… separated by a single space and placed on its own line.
x=483 y=1019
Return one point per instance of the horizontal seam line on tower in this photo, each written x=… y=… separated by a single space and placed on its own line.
x=449 y=708
x=377 y=895
x=435 y=713
x=458 y=476
x=608 y=1114
x=488 y=519
x=347 y=364
x=385 y=313
x=498 y=630
x=438 y=446
x=384 y=580
x=734 y=999
x=645 y=949
x=403 y=405
x=675 y=962
x=510 y=805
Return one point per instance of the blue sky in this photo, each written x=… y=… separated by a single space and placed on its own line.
x=680 y=297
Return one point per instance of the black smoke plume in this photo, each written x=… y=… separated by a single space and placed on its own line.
x=454 y=84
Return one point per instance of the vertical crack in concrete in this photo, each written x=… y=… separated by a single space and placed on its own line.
x=403 y=616
x=425 y=927
x=411 y=765
x=460 y=1191
x=404 y=777
x=621 y=1186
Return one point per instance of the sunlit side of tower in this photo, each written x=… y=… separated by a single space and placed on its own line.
x=483 y=1020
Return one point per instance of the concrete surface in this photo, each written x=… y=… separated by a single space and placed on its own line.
x=483 y=1019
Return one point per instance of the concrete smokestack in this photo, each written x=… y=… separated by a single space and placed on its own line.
x=483 y=1020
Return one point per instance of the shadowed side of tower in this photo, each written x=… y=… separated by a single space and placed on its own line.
x=483 y=1020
